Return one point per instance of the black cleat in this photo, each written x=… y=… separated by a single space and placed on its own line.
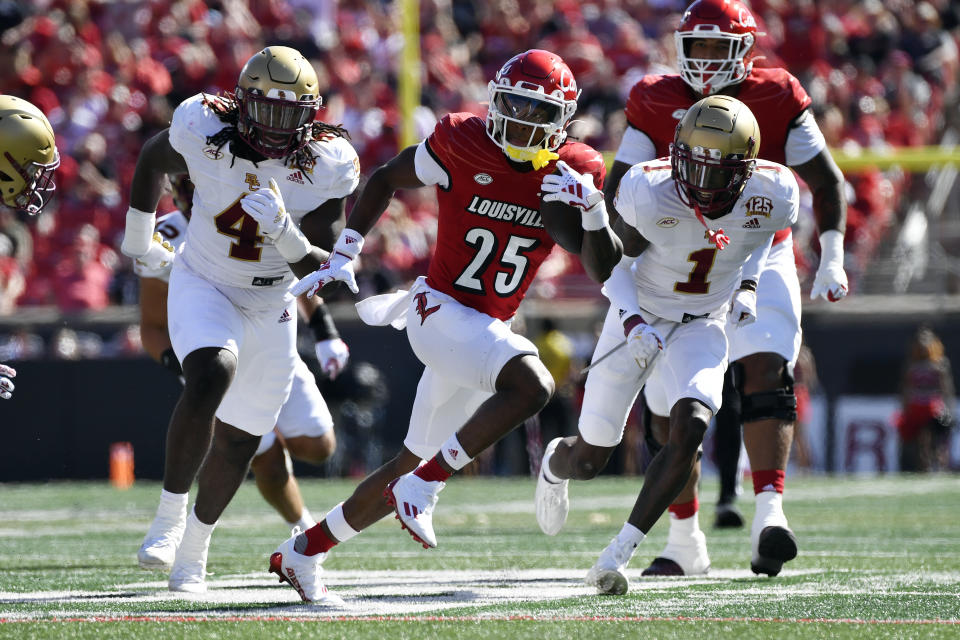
x=776 y=546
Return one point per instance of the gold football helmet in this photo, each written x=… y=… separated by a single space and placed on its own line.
x=278 y=96
x=713 y=152
x=29 y=155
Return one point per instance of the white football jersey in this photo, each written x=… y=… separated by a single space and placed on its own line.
x=223 y=242
x=173 y=228
x=682 y=272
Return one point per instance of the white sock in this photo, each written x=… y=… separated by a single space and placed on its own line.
x=306 y=520
x=453 y=453
x=196 y=528
x=769 y=511
x=681 y=530
x=173 y=506
x=630 y=535
x=338 y=524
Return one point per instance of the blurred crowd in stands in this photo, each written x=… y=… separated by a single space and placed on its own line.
x=109 y=74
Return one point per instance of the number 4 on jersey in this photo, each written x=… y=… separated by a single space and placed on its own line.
x=234 y=222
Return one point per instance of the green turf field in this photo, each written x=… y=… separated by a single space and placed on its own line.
x=879 y=558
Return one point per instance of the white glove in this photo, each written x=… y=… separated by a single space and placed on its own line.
x=743 y=308
x=158 y=258
x=332 y=355
x=6 y=384
x=338 y=267
x=577 y=190
x=830 y=281
x=644 y=343
x=266 y=207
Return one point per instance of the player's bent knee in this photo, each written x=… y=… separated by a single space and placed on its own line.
x=270 y=468
x=312 y=450
x=779 y=403
x=208 y=372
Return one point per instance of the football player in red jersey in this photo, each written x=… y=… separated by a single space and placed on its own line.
x=715 y=42
x=28 y=158
x=481 y=379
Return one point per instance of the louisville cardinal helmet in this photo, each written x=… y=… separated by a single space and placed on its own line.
x=278 y=96
x=537 y=91
x=28 y=155
x=728 y=21
x=713 y=153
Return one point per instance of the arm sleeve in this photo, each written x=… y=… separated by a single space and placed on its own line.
x=621 y=289
x=636 y=146
x=755 y=261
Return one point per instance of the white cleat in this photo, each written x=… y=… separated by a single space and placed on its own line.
x=189 y=572
x=414 y=498
x=608 y=574
x=159 y=546
x=552 y=500
x=688 y=558
x=302 y=572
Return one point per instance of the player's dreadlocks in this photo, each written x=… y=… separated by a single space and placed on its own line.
x=228 y=110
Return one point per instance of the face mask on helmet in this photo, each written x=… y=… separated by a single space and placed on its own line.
x=713 y=153
x=531 y=101
x=29 y=155
x=713 y=42
x=277 y=95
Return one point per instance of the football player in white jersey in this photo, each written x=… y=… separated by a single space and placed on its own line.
x=689 y=276
x=270 y=184
x=305 y=424
x=28 y=158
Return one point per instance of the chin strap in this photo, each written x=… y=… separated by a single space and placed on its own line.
x=718 y=237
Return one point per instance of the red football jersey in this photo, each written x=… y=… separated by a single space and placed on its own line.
x=775 y=97
x=490 y=238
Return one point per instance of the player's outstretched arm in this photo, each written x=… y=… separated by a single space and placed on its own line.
x=398 y=173
x=157 y=158
x=826 y=183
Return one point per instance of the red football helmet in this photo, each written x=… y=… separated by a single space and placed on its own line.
x=728 y=21
x=537 y=91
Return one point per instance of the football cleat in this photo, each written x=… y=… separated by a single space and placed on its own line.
x=413 y=499
x=551 y=497
x=774 y=546
x=728 y=516
x=687 y=559
x=189 y=571
x=159 y=546
x=302 y=572
x=608 y=573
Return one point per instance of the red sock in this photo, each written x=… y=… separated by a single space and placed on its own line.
x=770 y=480
x=317 y=541
x=432 y=471
x=685 y=510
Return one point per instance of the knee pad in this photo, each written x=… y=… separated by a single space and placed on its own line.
x=779 y=403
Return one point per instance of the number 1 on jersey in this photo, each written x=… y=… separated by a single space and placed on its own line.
x=697 y=280
x=234 y=222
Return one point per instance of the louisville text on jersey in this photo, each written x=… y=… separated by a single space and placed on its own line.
x=506 y=211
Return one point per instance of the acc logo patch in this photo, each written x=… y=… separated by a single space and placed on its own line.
x=483 y=179
x=667 y=222
x=213 y=153
x=678 y=114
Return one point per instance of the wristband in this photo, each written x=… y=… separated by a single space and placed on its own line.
x=138 y=232
x=748 y=285
x=169 y=360
x=349 y=244
x=595 y=218
x=291 y=243
x=321 y=324
x=630 y=323
x=831 y=247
